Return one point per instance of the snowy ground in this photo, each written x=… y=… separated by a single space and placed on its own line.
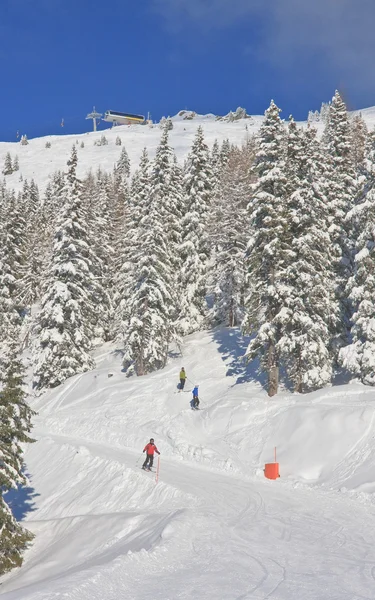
x=39 y=163
x=212 y=527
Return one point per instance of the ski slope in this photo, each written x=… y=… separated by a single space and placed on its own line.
x=39 y=163
x=212 y=527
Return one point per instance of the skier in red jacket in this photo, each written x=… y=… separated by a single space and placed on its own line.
x=150 y=449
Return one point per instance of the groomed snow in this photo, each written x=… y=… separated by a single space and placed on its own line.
x=212 y=527
x=39 y=163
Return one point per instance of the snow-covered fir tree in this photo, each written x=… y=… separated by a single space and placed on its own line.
x=8 y=166
x=12 y=258
x=152 y=301
x=267 y=247
x=310 y=313
x=359 y=135
x=15 y=427
x=342 y=192
x=224 y=152
x=359 y=356
x=228 y=226
x=67 y=319
x=122 y=168
x=195 y=250
x=130 y=246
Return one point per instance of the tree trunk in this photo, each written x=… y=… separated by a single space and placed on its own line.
x=231 y=314
x=299 y=384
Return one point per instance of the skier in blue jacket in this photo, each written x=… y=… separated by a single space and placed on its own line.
x=195 y=400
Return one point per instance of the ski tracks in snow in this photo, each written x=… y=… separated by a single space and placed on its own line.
x=201 y=534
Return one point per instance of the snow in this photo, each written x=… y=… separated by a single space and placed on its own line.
x=212 y=527
x=39 y=163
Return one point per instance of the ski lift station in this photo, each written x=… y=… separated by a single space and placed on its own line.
x=120 y=118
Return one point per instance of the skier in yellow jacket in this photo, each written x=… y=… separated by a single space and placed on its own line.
x=182 y=378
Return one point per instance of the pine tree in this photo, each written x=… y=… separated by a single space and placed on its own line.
x=215 y=161
x=359 y=136
x=228 y=226
x=195 y=249
x=8 y=167
x=342 y=191
x=12 y=227
x=266 y=248
x=151 y=302
x=67 y=318
x=122 y=168
x=24 y=141
x=359 y=356
x=15 y=426
x=131 y=245
x=118 y=141
x=225 y=152
x=311 y=312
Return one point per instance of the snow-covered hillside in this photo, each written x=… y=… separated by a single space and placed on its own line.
x=212 y=527
x=39 y=163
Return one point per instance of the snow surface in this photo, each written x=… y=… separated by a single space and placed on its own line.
x=212 y=527
x=39 y=163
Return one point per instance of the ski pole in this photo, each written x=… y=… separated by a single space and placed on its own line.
x=136 y=464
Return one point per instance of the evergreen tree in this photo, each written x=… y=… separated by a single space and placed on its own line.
x=216 y=162
x=15 y=426
x=228 y=227
x=359 y=356
x=342 y=191
x=12 y=258
x=130 y=247
x=67 y=318
x=122 y=169
x=311 y=312
x=267 y=248
x=359 y=136
x=8 y=167
x=195 y=249
x=151 y=301
x=225 y=152
x=24 y=141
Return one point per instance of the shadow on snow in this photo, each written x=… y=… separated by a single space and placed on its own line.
x=232 y=345
x=21 y=500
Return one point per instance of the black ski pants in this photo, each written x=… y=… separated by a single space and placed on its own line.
x=182 y=384
x=149 y=460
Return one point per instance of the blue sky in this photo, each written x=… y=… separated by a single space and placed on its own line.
x=61 y=57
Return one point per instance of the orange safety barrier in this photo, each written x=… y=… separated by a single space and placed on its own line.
x=271 y=470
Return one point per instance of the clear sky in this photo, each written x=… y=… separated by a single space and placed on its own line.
x=61 y=57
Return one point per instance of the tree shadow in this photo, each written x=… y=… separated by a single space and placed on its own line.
x=21 y=500
x=232 y=345
x=341 y=377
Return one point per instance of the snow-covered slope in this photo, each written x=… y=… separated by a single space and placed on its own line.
x=38 y=162
x=212 y=527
